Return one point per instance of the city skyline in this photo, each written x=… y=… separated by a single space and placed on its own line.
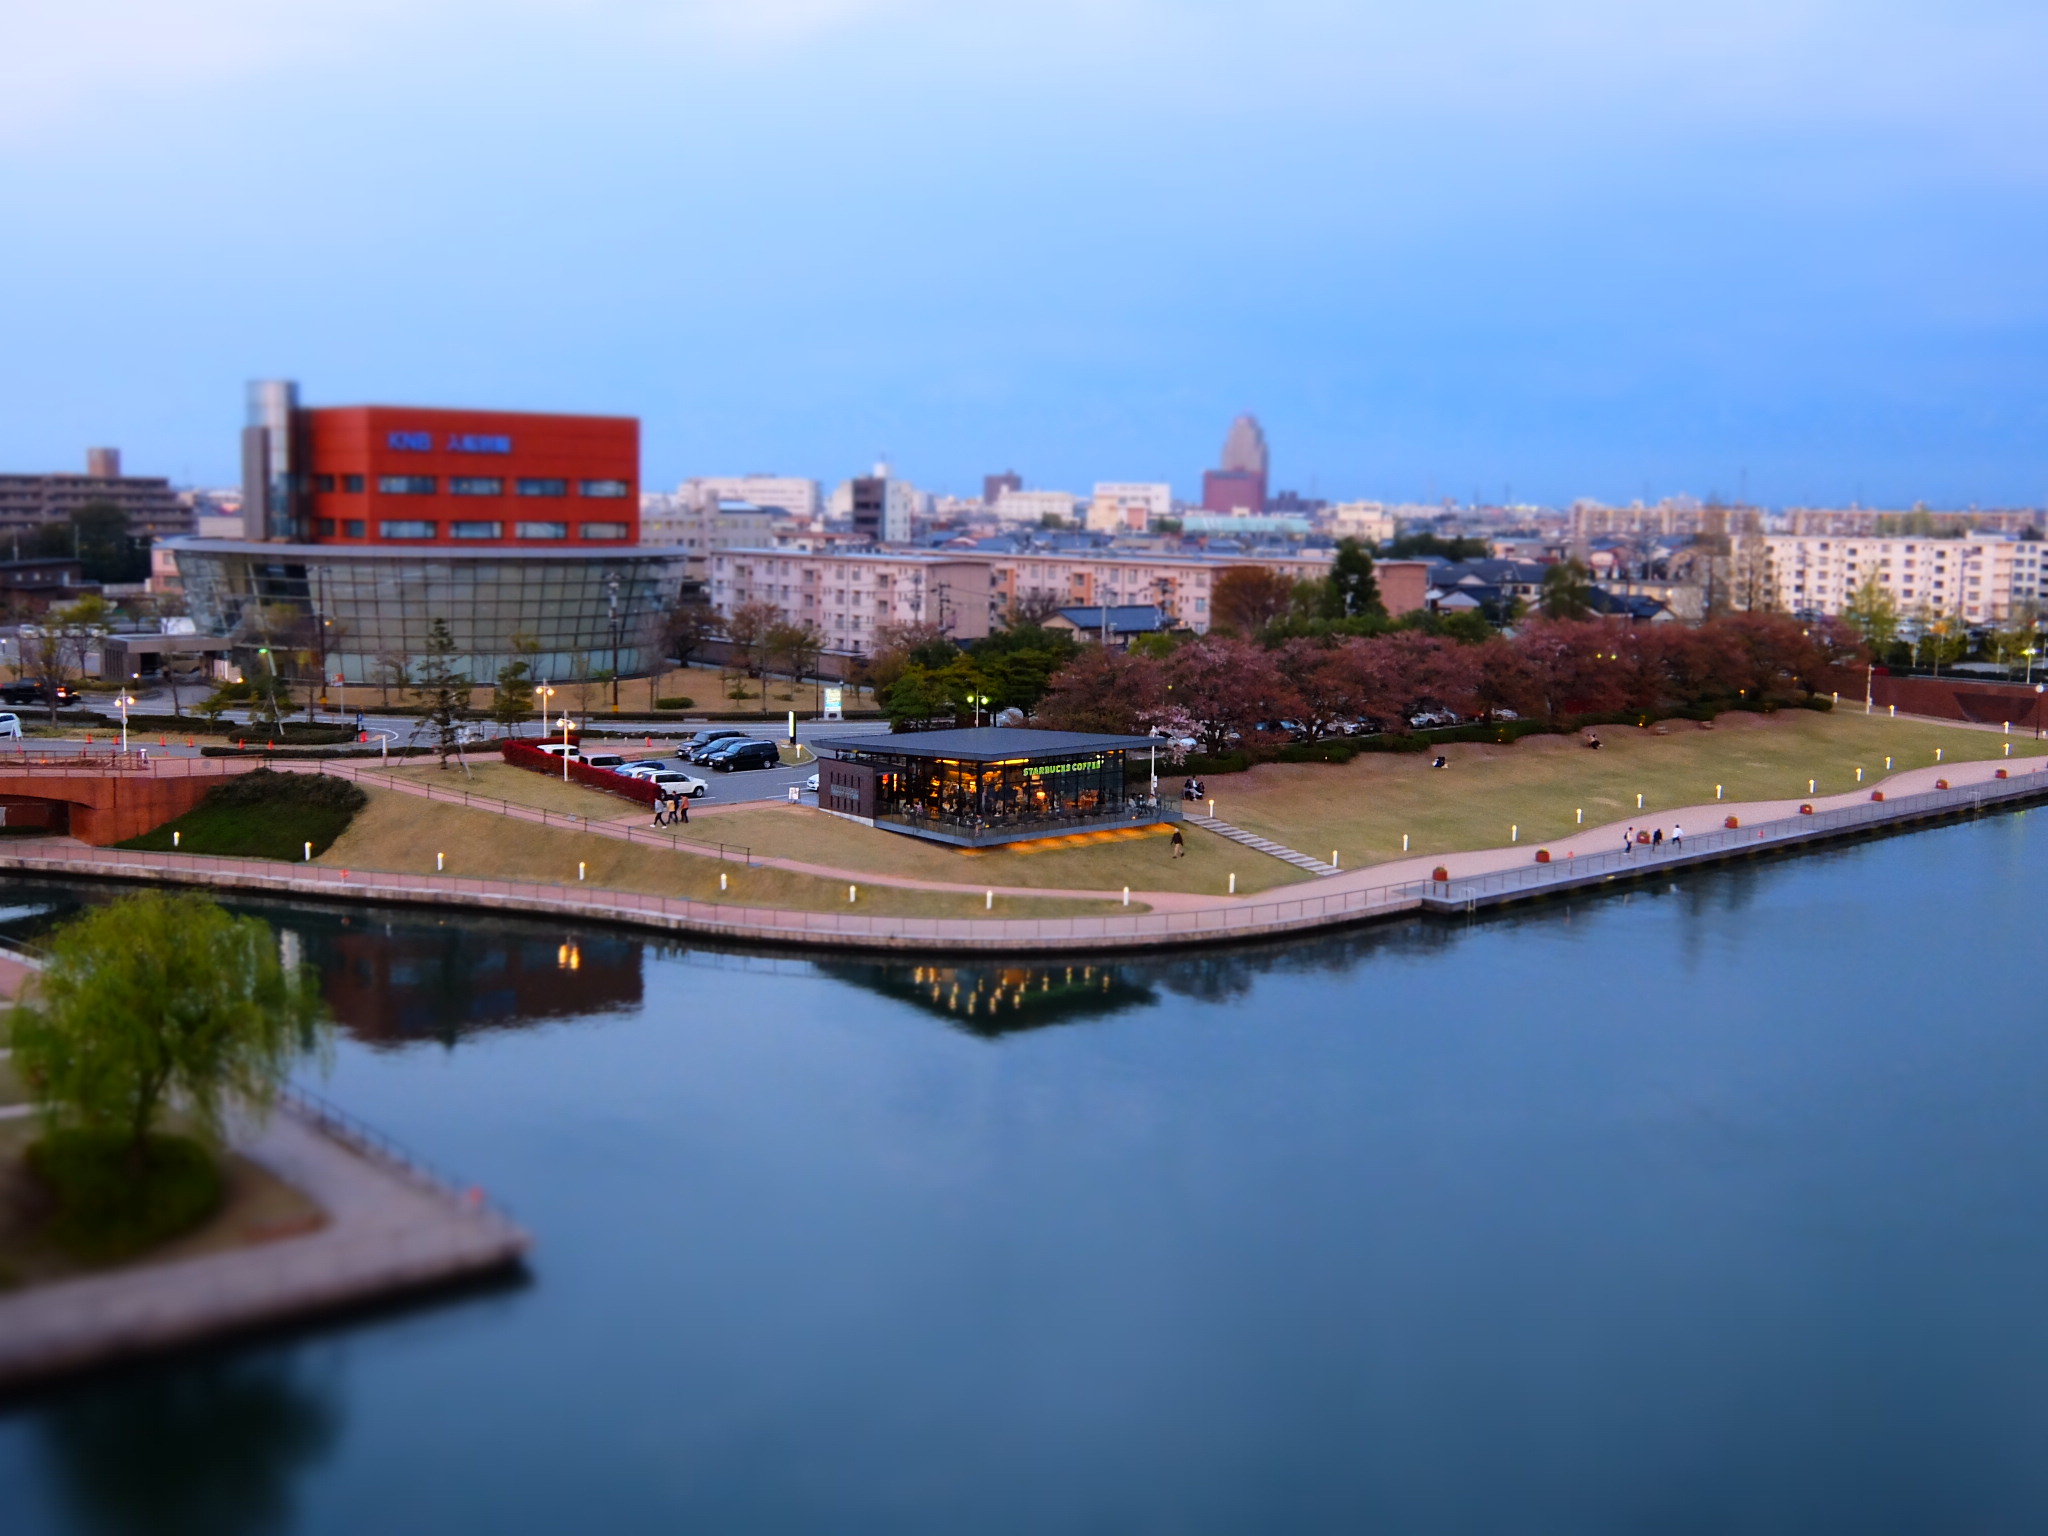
x=1781 y=253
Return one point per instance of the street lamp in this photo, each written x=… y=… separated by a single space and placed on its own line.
x=544 y=693
x=2029 y=654
x=565 y=723
x=126 y=698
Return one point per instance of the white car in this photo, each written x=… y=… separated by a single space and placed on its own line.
x=643 y=767
x=811 y=783
x=557 y=749
x=676 y=783
x=10 y=727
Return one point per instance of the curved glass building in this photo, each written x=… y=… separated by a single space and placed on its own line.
x=362 y=613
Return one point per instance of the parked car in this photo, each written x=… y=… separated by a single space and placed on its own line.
x=560 y=749
x=697 y=741
x=642 y=767
x=748 y=754
x=28 y=691
x=10 y=726
x=604 y=760
x=668 y=781
x=811 y=783
x=704 y=755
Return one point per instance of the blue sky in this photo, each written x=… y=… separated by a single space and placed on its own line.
x=1588 y=248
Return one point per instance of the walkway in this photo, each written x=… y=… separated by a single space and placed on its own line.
x=1385 y=889
x=389 y=1228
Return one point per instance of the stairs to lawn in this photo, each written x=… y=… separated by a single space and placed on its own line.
x=1262 y=844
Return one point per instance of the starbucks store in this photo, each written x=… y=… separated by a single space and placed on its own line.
x=979 y=788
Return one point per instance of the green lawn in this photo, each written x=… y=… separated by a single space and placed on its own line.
x=1361 y=809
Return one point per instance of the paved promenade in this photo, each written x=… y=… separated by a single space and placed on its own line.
x=388 y=1229
x=1479 y=877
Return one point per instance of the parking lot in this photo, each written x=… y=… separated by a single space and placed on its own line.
x=758 y=784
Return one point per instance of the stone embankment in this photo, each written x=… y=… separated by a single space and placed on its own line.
x=390 y=1227
x=1472 y=880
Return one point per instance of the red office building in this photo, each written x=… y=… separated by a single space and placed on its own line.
x=365 y=527
x=380 y=474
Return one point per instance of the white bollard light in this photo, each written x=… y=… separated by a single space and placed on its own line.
x=852 y=891
x=1404 y=842
x=174 y=838
x=1514 y=834
x=309 y=853
x=1233 y=885
x=440 y=861
x=988 y=902
x=579 y=869
x=1639 y=802
x=721 y=880
x=1127 y=895
x=1579 y=816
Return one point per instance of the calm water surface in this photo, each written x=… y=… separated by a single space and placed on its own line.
x=1717 y=1207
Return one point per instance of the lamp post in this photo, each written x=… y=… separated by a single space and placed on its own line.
x=124 y=701
x=2029 y=654
x=544 y=693
x=565 y=723
x=611 y=586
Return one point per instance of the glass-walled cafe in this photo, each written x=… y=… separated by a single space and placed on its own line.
x=981 y=787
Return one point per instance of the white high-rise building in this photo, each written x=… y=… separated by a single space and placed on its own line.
x=1367 y=521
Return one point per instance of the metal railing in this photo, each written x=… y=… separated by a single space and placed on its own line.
x=365 y=1139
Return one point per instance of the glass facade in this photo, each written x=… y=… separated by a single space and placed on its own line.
x=533 y=487
x=357 y=611
x=542 y=530
x=988 y=801
x=599 y=532
x=475 y=485
x=607 y=489
x=407 y=485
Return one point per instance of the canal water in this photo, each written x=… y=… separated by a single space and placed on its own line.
x=1721 y=1204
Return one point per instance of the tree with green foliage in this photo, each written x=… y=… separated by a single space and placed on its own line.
x=98 y=537
x=1354 y=590
x=512 y=696
x=1567 y=591
x=1017 y=663
x=443 y=690
x=1873 y=610
x=153 y=1003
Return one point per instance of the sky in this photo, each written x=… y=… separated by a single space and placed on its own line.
x=1794 y=250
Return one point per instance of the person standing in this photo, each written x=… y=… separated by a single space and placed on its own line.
x=1628 y=841
x=1180 y=845
x=1677 y=836
x=1657 y=841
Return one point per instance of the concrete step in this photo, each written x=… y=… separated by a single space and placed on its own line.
x=1263 y=845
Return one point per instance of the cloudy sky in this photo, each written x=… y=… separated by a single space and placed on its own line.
x=1591 y=247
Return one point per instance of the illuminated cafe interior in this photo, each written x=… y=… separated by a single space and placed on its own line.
x=979 y=788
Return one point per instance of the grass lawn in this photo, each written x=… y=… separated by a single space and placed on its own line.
x=1363 y=807
x=1144 y=862
x=491 y=778
x=402 y=833
x=260 y=815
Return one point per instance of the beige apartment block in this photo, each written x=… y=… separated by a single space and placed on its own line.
x=1982 y=581
x=849 y=596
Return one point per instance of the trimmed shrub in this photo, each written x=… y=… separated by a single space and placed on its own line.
x=112 y=1203
x=681 y=701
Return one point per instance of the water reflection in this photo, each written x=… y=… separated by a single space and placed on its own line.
x=392 y=981
x=993 y=998
x=213 y=1445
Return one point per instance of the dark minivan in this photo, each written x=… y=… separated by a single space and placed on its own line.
x=747 y=754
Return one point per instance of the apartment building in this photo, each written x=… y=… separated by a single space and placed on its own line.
x=849 y=596
x=1979 y=580
x=1032 y=507
x=154 y=509
x=1367 y=521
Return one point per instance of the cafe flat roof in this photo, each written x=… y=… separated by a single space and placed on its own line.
x=990 y=744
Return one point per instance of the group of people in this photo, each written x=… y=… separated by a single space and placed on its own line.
x=1193 y=789
x=1653 y=838
x=671 y=810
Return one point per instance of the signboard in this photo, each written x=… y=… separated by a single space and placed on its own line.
x=834 y=698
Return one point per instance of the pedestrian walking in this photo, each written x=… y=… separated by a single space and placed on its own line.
x=1657 y=841
x=1180 y=845
x=1628 y=841
x=1677 y=836
x=683 y=809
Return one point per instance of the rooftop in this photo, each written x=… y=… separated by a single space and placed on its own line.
x=990 y=744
